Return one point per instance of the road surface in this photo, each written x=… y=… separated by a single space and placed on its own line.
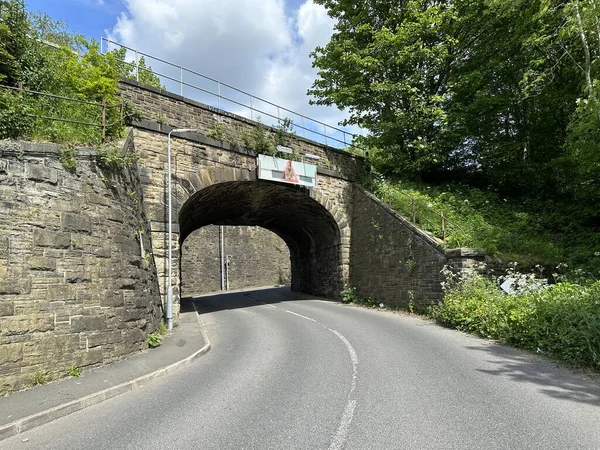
x=291 y=372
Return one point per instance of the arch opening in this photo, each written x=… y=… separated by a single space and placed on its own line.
x=307 y=227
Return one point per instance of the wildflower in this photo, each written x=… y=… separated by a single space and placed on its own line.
x=381 y=305
x=596 y=253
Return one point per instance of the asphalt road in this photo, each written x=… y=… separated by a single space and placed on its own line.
x=290 y=372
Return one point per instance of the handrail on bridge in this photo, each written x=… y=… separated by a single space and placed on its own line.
x=346 y=140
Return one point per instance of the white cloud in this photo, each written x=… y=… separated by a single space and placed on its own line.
x=251 y=44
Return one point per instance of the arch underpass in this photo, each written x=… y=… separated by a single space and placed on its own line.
x=306 y=226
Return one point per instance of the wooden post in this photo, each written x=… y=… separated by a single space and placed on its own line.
x=103 y=120
x=121 y=112
x=443 y=227
x=20 y=87
x=414 y=210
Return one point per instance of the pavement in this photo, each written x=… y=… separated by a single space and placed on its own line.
x=24 y=410
x=293 y=372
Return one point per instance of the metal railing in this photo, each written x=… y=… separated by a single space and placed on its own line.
x=425 y=216
x=433 y=221
x=223 y=93
x=103 y=107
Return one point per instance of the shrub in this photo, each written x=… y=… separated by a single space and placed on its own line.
x=154 y=339
x=561 y=320
x=41 y=377
x=74 y=371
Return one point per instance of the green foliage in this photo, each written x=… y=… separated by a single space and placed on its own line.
x=113 y=158
x=70 y=67
x=260 y=140
x=162 y=328
x=561 y=321
x=485 y=92
x=41 y=377
x=154 y=339
x=529 y=231
x=66 y=156
x=349 y=295
x=74 y=371
x=14 y=115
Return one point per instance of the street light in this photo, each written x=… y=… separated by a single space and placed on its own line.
x=170 y=258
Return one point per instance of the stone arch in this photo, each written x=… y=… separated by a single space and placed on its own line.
x=303 y=218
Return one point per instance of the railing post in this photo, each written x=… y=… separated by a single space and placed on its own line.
x=303 y=129
x=414 y=210
x=278 y=117
x=137 y=67
x=103 y=120
x=219 y=94
x=443 y=226
x=251 y=108
x=181 y=81
x=325 y=129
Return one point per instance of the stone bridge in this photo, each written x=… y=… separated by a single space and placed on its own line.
x=338 y=235
x=83 y=252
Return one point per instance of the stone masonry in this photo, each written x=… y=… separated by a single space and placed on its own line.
x=214 y=184
x=395 y=262
x=75 y=288
x=258 y=258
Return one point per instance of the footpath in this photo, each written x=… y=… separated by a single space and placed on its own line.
x=23 y=410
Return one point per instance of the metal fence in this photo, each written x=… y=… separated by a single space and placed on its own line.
x=430 y=219
x=425 y=216
x=100 y=118
x=186 y=82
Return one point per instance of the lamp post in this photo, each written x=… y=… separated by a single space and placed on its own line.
x=169 y=312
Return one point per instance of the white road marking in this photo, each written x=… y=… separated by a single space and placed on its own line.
x=341 y=434
x=300 y=315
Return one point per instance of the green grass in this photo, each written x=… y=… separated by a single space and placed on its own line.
x=528 y=232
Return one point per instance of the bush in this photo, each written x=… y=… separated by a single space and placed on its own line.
x=154 y=339
x=560 y=320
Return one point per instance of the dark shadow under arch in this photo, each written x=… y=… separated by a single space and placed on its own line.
x=306 y=226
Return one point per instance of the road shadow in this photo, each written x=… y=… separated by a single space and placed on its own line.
x=244 y=299
x=574 y=385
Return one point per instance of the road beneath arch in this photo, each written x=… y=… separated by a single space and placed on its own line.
x=291 y=372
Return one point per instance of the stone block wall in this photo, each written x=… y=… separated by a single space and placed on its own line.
x=180 y=112
x=75 y=288
x=258 y=258
x=395 y=262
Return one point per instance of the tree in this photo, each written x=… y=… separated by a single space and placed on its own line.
x=13 y=39
x=388 y=63
x=482 y=89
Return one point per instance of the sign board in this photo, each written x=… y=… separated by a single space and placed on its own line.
x=286 y=171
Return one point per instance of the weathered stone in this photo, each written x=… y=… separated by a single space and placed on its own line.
x=26 y=324
x=11 y=353
x=38 y=172
x=54 y=239
x=7 y=307
x=112 y=299
x=76 y=222
x=42 y=263
x=4 y=247
x=20 y=286
x=88 y=323
x=60 y=292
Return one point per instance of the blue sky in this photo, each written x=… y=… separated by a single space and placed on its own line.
x=260 y=46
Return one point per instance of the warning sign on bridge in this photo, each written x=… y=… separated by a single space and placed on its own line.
x=289 y=174
x=286 y=171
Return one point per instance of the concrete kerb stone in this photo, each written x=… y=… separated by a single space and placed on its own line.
x=43 y=417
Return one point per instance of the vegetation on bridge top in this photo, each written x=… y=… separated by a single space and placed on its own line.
x=39 y=55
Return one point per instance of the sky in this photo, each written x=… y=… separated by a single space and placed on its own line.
x=259 y=46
